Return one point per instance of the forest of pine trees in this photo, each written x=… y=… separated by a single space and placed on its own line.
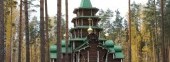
x=144 y=32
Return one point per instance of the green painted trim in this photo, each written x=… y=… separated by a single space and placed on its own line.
x=102 y=47
x=78 y=39
x=86 y=17
x=82 y=39
x=81 y=46
x=102 y=39
x=85 y=27
x=109 y=49
x=93 y=9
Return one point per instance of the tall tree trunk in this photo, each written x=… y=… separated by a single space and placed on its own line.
x=20 y=33
x=155 y=34
x=162 y=33
x=66 y=4
x=59 y=31
x=42 y=33
x=27 y=32
x=2 y=32
x=130 y=55
x=169 y=55
x=9 y=34
x=47 y=39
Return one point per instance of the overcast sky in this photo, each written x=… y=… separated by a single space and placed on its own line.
x=121 y=5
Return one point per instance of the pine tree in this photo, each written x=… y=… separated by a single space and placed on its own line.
x=167 y=25
x=42 y=33
x=27 y=31
x=59 y=31
x=66 y=4
x=130 y=55
x=163 y=32
x=2 y=32
x=8 y=32
x=20 y=33
x=47 y=35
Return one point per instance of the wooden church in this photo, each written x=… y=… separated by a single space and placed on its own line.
x=86 y=43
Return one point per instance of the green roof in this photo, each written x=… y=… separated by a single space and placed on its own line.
x=111 y=50
x=64 y=50
x=54 y=47
x=85 y=4
x=63 y=43
x=118 y=48
x=53 y=51
x=119 y=55
x=109 y=43
x=53 y=55
x=93 y=9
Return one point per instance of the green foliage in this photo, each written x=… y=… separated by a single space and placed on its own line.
x=34 y=29
x=118 y=27
x=143 y=32
x=105 y=20
x=135 y=32
x=53 y=28
x=167 y=19
x=113 y=26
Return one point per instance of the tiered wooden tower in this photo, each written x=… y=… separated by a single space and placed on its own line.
x=86 y=44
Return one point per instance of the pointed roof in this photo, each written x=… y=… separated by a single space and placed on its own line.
x=85 y=4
